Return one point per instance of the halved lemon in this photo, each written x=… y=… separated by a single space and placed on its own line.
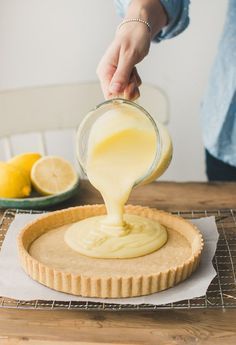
x=53 y=175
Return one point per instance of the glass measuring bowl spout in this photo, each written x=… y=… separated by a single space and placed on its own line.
x=132 y=112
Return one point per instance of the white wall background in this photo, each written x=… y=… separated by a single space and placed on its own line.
x=45 y=42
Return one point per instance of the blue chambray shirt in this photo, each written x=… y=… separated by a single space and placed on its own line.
x=219 y=104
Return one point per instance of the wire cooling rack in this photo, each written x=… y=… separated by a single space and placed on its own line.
x=220 y=294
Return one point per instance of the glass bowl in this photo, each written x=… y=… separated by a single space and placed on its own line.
x=86 y=124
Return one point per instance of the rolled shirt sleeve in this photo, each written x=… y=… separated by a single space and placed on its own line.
x=177 y=12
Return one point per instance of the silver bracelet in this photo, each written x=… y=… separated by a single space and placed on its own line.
x=136 y=20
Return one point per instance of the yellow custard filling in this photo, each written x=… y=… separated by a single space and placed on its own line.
x=139 y=236
x=121 y=149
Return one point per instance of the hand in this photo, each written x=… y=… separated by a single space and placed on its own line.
x=116 y=70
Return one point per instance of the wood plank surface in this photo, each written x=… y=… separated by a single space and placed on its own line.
x=169 y=195
x=162 y=327
x=153 y=328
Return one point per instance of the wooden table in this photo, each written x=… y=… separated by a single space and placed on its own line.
x=198 y=326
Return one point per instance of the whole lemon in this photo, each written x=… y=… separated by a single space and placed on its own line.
x=25 y=161
x=14 y=183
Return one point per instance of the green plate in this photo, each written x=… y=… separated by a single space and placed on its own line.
x=38 y=202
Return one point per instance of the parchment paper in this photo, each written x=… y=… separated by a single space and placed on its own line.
x=16 y=284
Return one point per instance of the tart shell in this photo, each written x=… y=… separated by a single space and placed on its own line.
x=111 y=286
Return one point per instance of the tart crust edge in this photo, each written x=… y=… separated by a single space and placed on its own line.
x=111 y=286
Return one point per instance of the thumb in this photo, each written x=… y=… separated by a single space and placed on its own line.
x=122 y=74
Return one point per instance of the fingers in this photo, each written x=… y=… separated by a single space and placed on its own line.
x=131 y=91
x=137 y=77
x=105 y=77
x=122 y=75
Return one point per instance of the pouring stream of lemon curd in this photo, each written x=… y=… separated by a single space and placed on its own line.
x=122 y=146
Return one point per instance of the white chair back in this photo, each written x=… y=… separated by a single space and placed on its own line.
x=44 y=119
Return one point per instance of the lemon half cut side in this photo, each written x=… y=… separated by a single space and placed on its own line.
x=52 y=175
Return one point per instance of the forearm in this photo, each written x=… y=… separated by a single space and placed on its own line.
x=151 y=11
